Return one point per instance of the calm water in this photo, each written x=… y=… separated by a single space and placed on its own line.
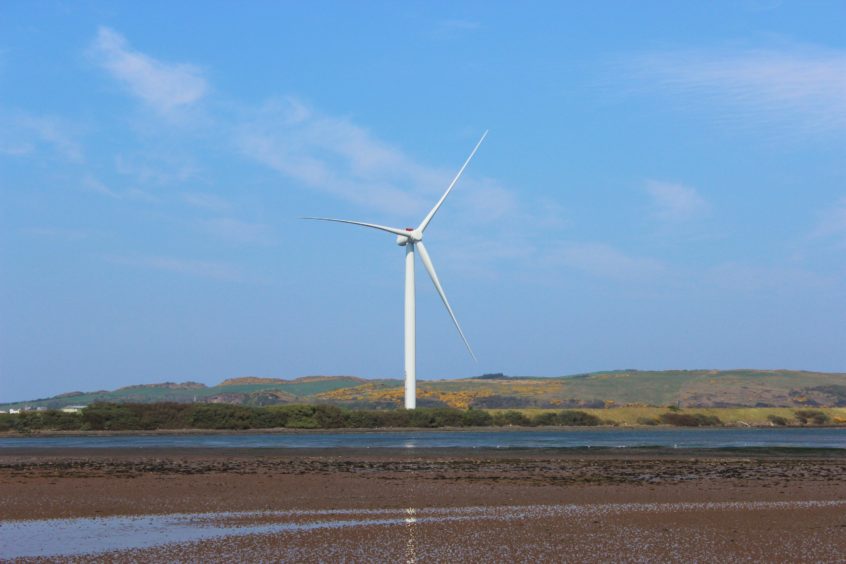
x=575 y=438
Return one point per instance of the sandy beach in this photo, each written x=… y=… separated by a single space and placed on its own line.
x=437 y=505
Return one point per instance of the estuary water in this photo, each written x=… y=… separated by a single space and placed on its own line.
x=809 y=438
x=51 y=538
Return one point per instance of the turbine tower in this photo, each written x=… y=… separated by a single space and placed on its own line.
x=412 y=240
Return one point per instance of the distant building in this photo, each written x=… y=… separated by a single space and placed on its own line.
x=13 y=410
x=73 y=408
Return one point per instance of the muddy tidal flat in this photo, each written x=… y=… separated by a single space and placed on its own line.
x=422 y=506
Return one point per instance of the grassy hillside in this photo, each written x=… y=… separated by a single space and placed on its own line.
x=599 y=390
x=729 y=416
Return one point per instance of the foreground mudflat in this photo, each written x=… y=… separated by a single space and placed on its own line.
x=422 y=505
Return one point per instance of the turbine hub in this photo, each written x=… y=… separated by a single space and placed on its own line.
x=413 y=236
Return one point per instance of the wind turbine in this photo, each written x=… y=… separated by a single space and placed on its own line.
x=412 y=239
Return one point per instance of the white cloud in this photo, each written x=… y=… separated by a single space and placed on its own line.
x=603 y=260
x=799 y=85
x=163 y=86
x=674 y=203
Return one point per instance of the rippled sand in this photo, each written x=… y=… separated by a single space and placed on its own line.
x=440 y=506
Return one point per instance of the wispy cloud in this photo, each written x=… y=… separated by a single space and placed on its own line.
x=156 y=169
x=674 y=203
x=21 y=134
x=236 y=231
x=605 y=261
x=94 y=184
x=832 y=222
x=802 y=86
x=62 y=233
x=205 y=201
x=161 y=85
x=204 y=269
x=784 y=278
x=338 y=157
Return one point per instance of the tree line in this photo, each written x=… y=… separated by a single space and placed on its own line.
x=154 y=416
x=149 y=417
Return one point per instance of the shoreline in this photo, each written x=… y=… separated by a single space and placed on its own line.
x=8 y=454
x=348 y=430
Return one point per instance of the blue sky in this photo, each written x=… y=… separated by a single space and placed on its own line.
x=663 y=186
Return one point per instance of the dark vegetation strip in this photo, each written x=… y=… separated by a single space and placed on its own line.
x=148 y=417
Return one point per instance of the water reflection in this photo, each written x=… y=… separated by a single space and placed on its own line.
x=69 y=537
x=411 y=541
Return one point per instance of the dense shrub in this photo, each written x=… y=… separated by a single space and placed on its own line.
x=110 y=417
x=477 y=418
x=578 y=418
x=299 y=416
x=777 y=420
x=437 y=417
x=38 y=420
x=647 y=421
x=59 y=420
x=221 y=416
x=507 y=418
x=566 y=417
x=544 y=419
x=139 y=417
x=364 y=419
x=135 y=416
x=689 y=419
x=814 y=416
x=330 y=417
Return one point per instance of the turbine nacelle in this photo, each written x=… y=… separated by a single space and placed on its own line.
x=414 y=235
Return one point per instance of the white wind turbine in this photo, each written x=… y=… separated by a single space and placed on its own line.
x=412 y=239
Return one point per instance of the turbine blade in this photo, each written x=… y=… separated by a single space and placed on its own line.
x=430 y=268
x=393 y=230
x=431 y=214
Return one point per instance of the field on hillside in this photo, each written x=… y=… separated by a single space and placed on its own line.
x=730 y=416
x=695 y=388
x=680 y=388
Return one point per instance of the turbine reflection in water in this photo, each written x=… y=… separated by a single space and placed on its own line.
x=411 y=541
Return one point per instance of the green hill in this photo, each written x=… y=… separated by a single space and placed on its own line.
x=684 y=388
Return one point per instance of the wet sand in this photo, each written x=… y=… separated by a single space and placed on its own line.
x=440 y=505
